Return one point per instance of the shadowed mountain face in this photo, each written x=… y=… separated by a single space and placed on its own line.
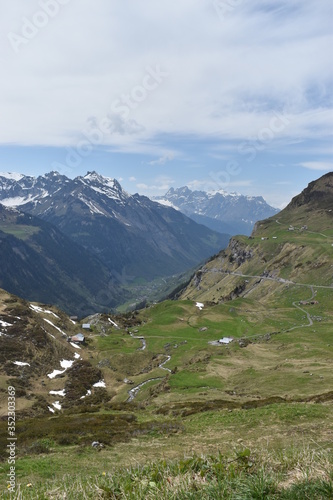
x=132 y=235
x=224 y=212
x=40 y=263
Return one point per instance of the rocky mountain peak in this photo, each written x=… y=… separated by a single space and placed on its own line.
x=103 y=185
x=221 y=211
x=318 y=193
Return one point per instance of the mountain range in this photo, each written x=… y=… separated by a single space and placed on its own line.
x=221 y=211
x=286 y=258
x=133 y=236
x=117 y=237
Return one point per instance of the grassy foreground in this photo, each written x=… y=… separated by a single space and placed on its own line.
x=279 y=451
x=292 y=475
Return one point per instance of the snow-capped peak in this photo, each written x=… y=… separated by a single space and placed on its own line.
x=104 y=185
x=219 y=209
x=51 y=175
x=12 y=176
x=106 y=181
x=95 y=177
x=223 y=193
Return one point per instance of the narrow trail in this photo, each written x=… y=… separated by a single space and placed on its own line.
x=297 y=228
x=135 y=390
x=313 y=294
x=321 y=234
x=142 y=339
x=162 y=364
x=304 y=311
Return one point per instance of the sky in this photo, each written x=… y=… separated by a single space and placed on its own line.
x=212 y=94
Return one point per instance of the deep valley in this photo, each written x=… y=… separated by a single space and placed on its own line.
x=227 y=382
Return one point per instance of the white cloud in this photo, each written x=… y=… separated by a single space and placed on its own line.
x=160 y=184
x=318 y=165
x=225 y=76
x=163 y=159
x=132 y=179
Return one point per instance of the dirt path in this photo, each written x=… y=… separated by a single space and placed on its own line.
x=297 y=228
x=135 y=390
x=142 y=340
x=304 y=311
x=162 y=364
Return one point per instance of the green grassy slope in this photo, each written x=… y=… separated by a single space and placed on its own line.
x=295 y=247
x=272 y=397
x=251 y=419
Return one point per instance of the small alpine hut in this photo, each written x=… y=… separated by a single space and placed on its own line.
x=78 y=339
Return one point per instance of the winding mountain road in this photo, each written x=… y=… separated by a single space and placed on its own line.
x=135 y=390
x=142 y=339
x=279 y=280
x=304 y=311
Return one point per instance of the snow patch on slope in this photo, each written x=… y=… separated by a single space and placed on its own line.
x=199 y=305
x=65 y=364
x=16 y=201
x=40 y=310
x=4 y=324
x=59 y=330
x=59 y=393
x=167 y=203
x=101 y=383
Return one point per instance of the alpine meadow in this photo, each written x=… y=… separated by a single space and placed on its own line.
x=225 y=389
x=166 y=250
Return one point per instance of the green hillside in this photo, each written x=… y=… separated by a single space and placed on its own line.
x=295 y=248
x=181 y=413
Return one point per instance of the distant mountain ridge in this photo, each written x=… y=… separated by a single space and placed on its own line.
x=221 y=211
x=17 y=189
x=132 y=235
